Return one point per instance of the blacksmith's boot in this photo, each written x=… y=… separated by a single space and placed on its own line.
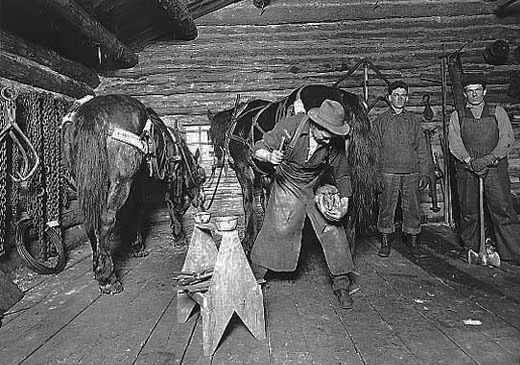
x=344 y=299
x=414 y=247
x=384 y=249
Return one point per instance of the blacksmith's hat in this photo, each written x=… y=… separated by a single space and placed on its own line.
x=396 y=85
x=473 y=78
x=330 y=115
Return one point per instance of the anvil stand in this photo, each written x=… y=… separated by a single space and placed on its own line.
x=233 y=287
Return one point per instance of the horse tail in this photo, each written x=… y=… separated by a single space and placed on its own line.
x=362 y=153
x=91 y=169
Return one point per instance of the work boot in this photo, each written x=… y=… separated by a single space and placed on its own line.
x=384 y=249
x=415 y=249
x=344 y=299
x=353 y=287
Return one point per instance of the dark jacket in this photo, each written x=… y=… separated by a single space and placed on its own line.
x=402 y=144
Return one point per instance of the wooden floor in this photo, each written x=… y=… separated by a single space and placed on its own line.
x=408 y=311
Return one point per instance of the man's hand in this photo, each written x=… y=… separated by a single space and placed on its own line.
x=423 y=183
x=335 y=215
x=275 y=157
x=479 y=164
x=326 y=189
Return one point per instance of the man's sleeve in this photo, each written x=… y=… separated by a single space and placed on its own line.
x=506 y=136
x=272 y=140
x=455 y=142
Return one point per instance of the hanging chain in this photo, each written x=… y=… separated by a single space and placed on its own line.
x=52 y=159
x=3 y=176
x=65 y=180
x=35 y=198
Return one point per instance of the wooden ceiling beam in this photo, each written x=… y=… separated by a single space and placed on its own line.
x=13 y=44
x=111 y=47
x=200 y=8
x=29 y=72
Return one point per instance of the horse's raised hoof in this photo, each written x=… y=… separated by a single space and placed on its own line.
x=114 y=288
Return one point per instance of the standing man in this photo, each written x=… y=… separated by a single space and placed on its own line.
x=314 y=143
x=480 y=141
x=404 y=165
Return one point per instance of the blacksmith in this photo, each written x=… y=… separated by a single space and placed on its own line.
x=404 y=164
x=314 y=145
x=481 y=141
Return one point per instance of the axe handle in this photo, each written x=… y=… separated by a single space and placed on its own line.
x=481 y=213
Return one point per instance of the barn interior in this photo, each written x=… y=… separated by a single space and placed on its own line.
x=185 y=57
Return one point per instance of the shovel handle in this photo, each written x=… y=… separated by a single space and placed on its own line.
x=481 y=213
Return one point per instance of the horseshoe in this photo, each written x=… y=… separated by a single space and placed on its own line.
x=18 y=137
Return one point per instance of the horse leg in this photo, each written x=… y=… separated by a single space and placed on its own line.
x=137 y=245
x=105 y=270
x=179 y=237
x=93 y=243
x=246 y=178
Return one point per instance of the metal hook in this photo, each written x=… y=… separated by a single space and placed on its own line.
x=17 y=136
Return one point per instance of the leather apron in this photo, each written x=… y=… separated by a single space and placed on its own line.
x=277 y=246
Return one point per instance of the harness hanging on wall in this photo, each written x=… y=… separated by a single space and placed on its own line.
x=497 y=52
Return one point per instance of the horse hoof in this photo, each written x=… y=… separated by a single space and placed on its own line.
x=114 y=288
x=140 y=253
x=180 y=247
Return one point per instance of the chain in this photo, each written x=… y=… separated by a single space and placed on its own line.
x=52 y=158
x=3 y=177
x=38 y=183
x=62 y=107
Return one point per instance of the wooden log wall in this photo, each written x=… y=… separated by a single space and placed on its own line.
x=298 y=42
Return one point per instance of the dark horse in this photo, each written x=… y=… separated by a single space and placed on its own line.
x=234 y=131
x=108 y=143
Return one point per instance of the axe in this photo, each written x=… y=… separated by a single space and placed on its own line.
x=486 y=256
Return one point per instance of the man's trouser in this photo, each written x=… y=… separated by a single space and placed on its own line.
x=405 y=185
x=497 y=197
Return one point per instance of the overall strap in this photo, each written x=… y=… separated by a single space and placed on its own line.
x=299 y=129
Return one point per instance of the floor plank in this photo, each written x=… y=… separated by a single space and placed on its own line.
x=445 y=309
x=122 y=323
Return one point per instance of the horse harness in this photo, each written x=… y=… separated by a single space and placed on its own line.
x=282 y=111
x=149 y=142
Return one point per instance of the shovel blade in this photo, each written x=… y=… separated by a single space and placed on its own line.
x=494 y=259
x=473 y=258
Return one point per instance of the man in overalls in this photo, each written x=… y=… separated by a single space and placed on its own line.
x=314 y=143
x=480 y=141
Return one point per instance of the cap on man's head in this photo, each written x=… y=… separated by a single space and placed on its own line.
x=473 y=78
x=396 y=85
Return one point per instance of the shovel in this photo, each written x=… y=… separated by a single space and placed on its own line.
x=486 y=256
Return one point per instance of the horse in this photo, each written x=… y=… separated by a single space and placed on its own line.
x=110 y=142
x=234 y=131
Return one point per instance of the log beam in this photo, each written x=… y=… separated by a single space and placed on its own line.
x=15 y=45
x=181 y=18
x=29 y=72
x=200 y=8
x=90 y=28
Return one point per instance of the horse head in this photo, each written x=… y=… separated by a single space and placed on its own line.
x=185 y=176
x=220 y=122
